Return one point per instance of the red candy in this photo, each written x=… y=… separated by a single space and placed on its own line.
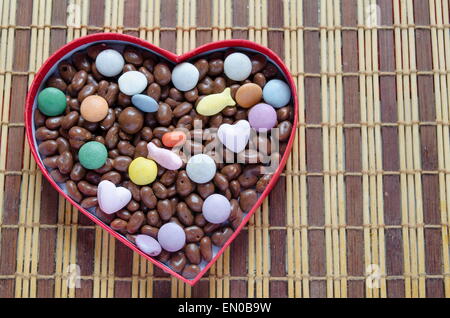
x=173 y=138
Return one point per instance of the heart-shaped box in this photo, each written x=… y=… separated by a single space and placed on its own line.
x=120 y=39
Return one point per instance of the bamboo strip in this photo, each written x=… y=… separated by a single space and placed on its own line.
x=364 y=145
x=301 y=235
x=262 y=214
x=405 y=143
x=408 y=152
x=156 y=33
x=341 y=207
x=239 y=278
x=379 y=212
x=6 y=62
x=332 y=285
x=237 y=28
x=368 y=10
x=28 y=188
x=333 y=142
x=416 y=155
x=446 y=18
x=35 y=198
x=442 y=104
x=289 y=20
x=257 y=215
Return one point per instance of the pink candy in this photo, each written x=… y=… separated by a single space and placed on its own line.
x=164 y=157
x=262 y=117
x=148 y=245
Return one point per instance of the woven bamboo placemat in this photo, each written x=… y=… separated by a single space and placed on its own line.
x=361 y=210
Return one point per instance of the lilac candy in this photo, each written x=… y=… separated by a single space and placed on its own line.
x=216 y=208
x=148 y=245
x=262 y=117
x=171 y=236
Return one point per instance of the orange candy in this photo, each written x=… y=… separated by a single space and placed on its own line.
x=173 y=138
x=248 y=95
x=94 y=108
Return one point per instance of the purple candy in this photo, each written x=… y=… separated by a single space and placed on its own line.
x=262 y=117
x=148 y=245
x=216 y=208
x=171 y=236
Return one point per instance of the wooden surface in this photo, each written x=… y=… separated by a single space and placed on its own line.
x=365 y=191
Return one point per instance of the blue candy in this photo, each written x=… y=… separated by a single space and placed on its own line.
x=145 y=103
x=277 y=93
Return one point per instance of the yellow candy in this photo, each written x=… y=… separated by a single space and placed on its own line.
x=142 y=171
x=215 y=103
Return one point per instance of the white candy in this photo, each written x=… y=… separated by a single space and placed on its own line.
x=201 y=168
x=109 y=63
x=235 y=137
x=132 y=83
x=216 y=208
x=172 y=237
x=237 y=66
x=185 y=76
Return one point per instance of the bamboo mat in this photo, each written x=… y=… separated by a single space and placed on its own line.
x=361 y=210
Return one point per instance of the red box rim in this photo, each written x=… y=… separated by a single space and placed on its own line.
x=99 y=37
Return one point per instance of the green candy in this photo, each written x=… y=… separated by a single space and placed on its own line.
x=92 y=155
x=51 y=101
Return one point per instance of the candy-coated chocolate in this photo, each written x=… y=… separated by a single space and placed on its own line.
x=174 y=138
x=131 y=120
x=51 y=101
x=111 y=198
x=262 y=117
x=237 y=66
x=201 y=168
x=148 y=245
x=234 y=137
x=132 y=83
x=185 y=76
x=213 y=104
x=145 y=103
x=94 y=108
x=248 y=95
x=277 y=93
x=164 y=157
x=142 y=171
x=92 y=155
x=216 y=209
x=109 y=63
x=171 y=236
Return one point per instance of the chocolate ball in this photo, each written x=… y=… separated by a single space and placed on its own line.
x=131 y=120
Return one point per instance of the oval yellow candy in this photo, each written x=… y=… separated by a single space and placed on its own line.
x=142 y=171
x=213 y=104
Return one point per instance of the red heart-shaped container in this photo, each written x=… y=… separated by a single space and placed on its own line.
x=113 y=38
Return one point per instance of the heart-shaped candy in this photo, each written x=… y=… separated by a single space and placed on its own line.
x=234 y=137
x=111 y=198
